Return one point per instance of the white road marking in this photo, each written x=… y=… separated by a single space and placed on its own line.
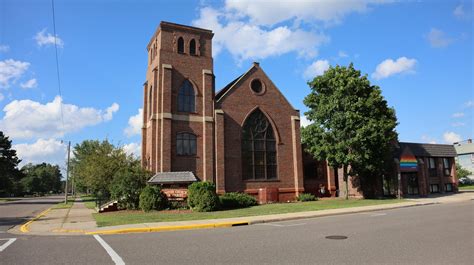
x=378 y=214
x=115 y=257
x=282 y=225
x=8 y=243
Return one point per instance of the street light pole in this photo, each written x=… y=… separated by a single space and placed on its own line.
x=67 y=171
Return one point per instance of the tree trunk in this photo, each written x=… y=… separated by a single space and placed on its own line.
x=346 y=180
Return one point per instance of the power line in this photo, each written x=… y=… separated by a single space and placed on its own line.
x=57 y=65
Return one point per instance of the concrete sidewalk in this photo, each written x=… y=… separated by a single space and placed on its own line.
x=78 y=219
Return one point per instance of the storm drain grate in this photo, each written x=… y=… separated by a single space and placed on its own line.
x=336 y=237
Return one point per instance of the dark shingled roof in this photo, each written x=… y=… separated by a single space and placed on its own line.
x=173 y=177
x=429 y=150
x=222 y=91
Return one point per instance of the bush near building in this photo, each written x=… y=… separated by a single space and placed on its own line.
x=306 y=197
x=151 y=198
x=234 y=200
x=202 y=197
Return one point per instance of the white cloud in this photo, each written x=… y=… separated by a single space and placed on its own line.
x=460 y=13
x=11 y=70
x=4 y=48
x=428 y=139
x=451 y=137
x=316 y=68
x=132 y=149
x=247 y=41
x=268 y=13
x=438 y=38
x=304 y=121
x=135 y=124
x=469 y=104
x=458 y=115
x=43 y=150
x=458 y=124
x=44 y=39
x=32 y=83
x=110 y=111
x=390 y=67
x=27 y=119
x=342 y=54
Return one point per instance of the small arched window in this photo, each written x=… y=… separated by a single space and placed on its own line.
x=150 y=101
x=186 y=97
x=180 y=45
x=259 y=160
x=185 y=144
x=192 y=47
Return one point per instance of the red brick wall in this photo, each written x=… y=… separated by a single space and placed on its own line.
x=237 y=104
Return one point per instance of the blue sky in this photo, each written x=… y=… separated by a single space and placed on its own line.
x=419 y=52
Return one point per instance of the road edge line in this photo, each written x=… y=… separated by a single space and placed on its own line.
x=25 y=227
x=167 y=228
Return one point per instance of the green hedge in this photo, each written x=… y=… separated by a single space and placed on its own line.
x=233 y=200
x=202 y=197
x=306 y=197
x=151 y=198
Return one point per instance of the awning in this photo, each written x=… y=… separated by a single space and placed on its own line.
x=173 y=178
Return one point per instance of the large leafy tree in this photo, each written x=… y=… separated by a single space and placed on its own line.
x=9 y=173
x=95 y=163
x=41 y=178
x=352 y=126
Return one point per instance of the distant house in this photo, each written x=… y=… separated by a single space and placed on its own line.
x=465 y=155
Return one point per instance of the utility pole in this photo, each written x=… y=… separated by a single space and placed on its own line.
x=67 y=171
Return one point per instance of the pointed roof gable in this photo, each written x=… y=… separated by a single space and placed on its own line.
x=221 y=94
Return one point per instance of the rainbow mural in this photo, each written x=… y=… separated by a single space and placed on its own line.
x=408 y=162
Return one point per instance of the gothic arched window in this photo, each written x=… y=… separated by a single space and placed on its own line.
x=185 y=144
x=180 y=45
x=186 y=97
x=259 y=160
x=192 y=47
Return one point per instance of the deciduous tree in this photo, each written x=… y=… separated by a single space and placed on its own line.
x=352 y=126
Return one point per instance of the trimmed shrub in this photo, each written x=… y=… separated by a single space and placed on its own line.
x=151 y=198
x=306 y=197
x=202 y=197
x=233 y=200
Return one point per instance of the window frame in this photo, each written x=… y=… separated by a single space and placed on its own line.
x=186 y=100
x=432 y=170
x=258 y=150
x=180 y=46
x=446 y=168
x=192 y=47
x=183 y=138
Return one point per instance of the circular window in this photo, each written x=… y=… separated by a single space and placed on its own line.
x=256 y=86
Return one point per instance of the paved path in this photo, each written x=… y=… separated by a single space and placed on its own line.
x=17 y=212
x=433 y=234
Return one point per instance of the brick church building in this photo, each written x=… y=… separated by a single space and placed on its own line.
x=244 y=137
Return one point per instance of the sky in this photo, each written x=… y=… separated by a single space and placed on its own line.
x=420 y=53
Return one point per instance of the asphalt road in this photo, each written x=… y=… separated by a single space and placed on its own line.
x=435 y=234
x=18 y=212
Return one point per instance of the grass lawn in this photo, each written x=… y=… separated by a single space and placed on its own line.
x=63 y=205
x=466 y=187
x=135 y=217
x=89 y=201
x=7 y=199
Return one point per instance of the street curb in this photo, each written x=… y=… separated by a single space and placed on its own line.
x=240 y=223
x=316 y=215
x=25 y=227
x=166 y=228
